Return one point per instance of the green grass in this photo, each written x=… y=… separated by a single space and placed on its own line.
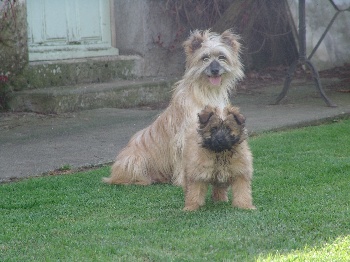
x=301 y=189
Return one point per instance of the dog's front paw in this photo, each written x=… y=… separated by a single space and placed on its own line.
x=244 y=206
x=191 y=208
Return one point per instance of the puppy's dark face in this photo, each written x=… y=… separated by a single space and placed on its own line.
x=223 y=131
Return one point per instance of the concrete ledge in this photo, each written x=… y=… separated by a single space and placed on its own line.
x=43 y=74
x=118 y=94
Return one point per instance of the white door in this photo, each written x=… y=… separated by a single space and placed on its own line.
x=64 y=29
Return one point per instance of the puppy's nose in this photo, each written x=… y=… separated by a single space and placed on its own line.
x=215 y=68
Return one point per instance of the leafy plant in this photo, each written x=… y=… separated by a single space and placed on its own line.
x=13 y=45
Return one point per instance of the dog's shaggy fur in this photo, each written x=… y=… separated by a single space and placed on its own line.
x=218 y=154
x=155 y=154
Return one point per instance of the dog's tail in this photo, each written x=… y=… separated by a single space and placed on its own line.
x=127 y=172
x=107 y=180
x=118 y=180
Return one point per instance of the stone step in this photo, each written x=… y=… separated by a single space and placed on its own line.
x=42 y=74
x=116 y=94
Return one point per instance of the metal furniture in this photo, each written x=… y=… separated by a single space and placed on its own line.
x=303 y=59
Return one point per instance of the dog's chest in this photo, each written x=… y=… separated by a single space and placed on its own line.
x=223 y=159
x=222 y=166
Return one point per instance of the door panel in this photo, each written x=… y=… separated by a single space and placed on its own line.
x=61 y=29
x=93 y=31
x=54 y=25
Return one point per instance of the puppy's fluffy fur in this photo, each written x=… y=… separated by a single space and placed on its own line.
x=218 y=154
x=155 y=154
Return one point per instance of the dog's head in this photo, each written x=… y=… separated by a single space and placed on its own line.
x=212 y=58
x=221 y=131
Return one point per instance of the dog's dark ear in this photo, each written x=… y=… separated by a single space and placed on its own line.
x=231 y=39
x=204 y=117
x=194 y=42
x=239 y=118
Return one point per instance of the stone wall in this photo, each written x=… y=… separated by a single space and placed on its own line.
x=146 y=28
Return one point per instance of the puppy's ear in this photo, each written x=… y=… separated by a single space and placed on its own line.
x=194 y=42
x=239 y=118
x=231 y=39
x=205 y=115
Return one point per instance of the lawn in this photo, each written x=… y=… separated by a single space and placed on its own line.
x=301 y=188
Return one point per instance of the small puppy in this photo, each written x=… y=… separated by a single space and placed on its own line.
x=217 y=153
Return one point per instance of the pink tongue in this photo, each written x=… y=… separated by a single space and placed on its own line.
x=216 y=81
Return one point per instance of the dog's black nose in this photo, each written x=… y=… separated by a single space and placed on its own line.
x=215 y=68
x=219 y=141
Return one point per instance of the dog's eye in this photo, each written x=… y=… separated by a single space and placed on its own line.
x=222 y=58
x=206 y=58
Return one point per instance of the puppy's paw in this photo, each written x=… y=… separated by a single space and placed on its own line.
x=191 y=208
x=244 y=206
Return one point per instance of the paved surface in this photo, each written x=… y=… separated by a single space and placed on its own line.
x=32 y=144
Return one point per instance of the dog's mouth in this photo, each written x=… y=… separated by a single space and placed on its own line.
x=215 y=80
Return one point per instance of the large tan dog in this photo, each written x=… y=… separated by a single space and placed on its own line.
x=155 y=154
x=218 y=154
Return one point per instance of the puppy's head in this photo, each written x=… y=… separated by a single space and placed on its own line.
x=213 y=59
x=220 y=132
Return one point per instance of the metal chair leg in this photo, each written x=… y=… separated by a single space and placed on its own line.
x=287 y=81
x=317 y=81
